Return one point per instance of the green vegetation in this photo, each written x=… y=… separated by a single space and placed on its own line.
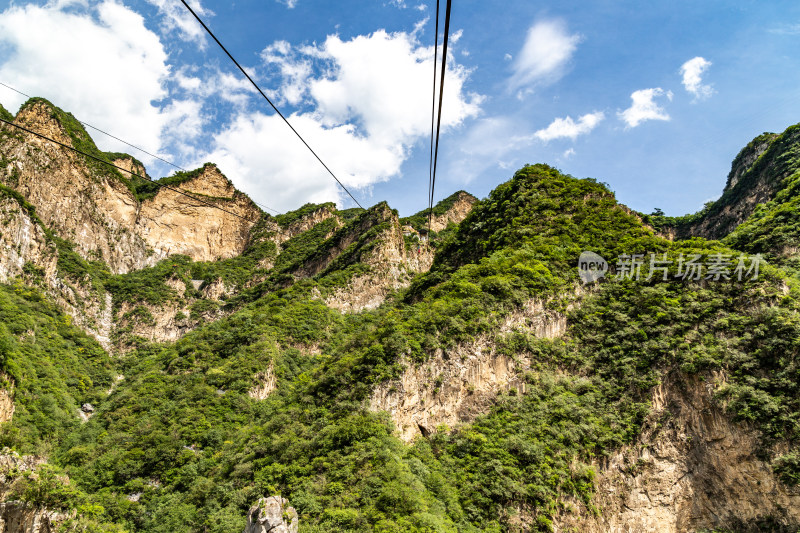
x=774 y=228
x=419 y=221
x=286 y=219
x=55 y=366
x=4 y=114
x=146 y=189
x=180 y=445
x=769 y=172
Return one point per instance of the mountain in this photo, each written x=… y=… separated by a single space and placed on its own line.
x=350 y=370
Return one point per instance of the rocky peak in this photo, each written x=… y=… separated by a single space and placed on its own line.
x=209 y=181
x=747 y=157
x=130 y=166
x=757 y=174
x=459 y=207
x=39 y=115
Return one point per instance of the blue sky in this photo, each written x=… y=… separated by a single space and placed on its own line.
x=653 y=98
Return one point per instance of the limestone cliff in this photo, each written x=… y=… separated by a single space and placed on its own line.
x=455 y=210
x=392 y=262
x=184 y=219
x=457 y=385
x=692 y=469
x=757 y=174
x=19 y=516
x=95 y=207
x=398 y=253
x=28 y=252
x=271 y=515
x=80 y=202
x=6 y=399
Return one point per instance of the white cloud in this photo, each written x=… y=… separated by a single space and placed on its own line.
x=365 y=103
x=177 y=17
x=490 y=142
x=644 y=107
x=790 y=29
x=692 y=72
x=568 y=153
x=100 y=63
x=545 y=54
x=566 y=128
x=288 y=3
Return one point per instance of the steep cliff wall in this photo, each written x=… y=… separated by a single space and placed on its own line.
x=457 y=385
x=757 y=174
x=28 y=252
x=692 y=469
x=80 y=202
x=457 y=209
x=398 y=254
x=184 y=219
x=96 y=207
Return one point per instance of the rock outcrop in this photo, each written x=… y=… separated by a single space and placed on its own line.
x=272 y=515
x=457 y=385
x=692 y=469
x=391 y=260
x=456 y=212
x=26 y=251
x=90 y=204
x=18 y=516
x=184 y=219
x=265 y=384
x=6 y=400
x=757 y=174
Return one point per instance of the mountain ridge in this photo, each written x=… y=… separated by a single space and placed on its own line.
x=381 y=378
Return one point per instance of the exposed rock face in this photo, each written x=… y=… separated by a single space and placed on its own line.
x=7 y=402
x=757 y=173
x=99 y=213
x=23 y=242
x=272 y=515
x=94 y=211
x=176 y=223
x=392 y=265
x=16 y=516
x=458 y=385
x=265 y=384
x=747 y=157
x=692 y=469
x=456 y=213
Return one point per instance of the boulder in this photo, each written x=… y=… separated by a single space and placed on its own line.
x=272 y=515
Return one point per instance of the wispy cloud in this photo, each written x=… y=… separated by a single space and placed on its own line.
x=176 y=18
x=692 y=72
x=644 y=107
x=288 y=3
x=789 y=29
x=566 y=128
x=545 y=55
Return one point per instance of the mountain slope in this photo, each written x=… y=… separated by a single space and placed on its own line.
x=383 y=383
x=104 y=213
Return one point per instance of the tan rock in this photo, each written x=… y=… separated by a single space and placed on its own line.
x=692 y=469
x=456 y=386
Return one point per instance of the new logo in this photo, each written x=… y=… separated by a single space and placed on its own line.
x=591 y=267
